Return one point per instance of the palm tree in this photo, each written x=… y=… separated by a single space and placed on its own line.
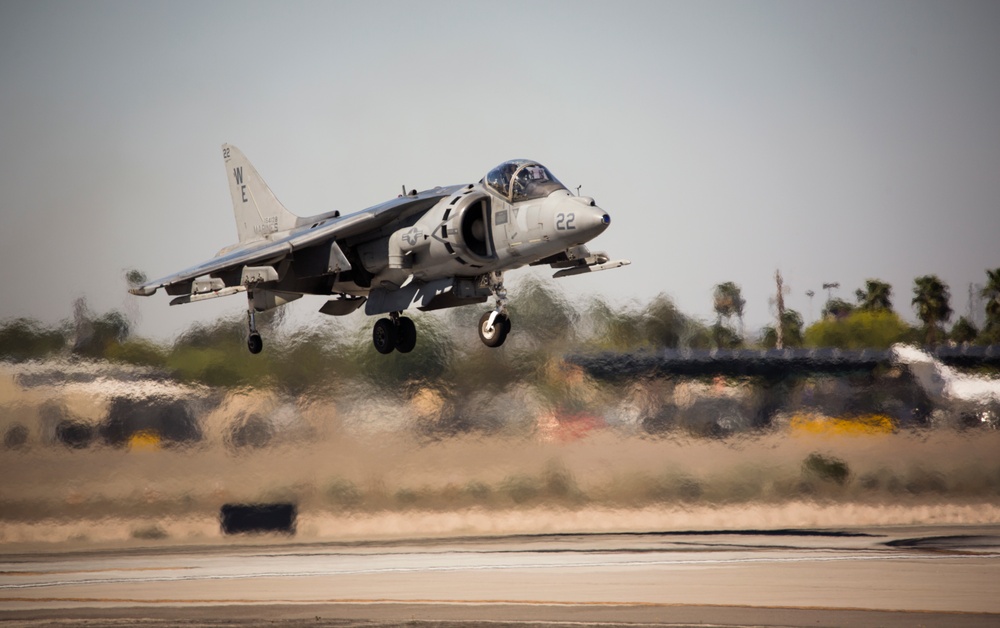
x=729 y=302
x=991 y=292
x=876 y=297
x=930 y=300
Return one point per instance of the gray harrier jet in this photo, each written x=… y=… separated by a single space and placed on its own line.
x=434 y=249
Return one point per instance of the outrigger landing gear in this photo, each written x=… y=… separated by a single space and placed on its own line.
x=494 y=326
x=394 y=333
x=254 y=342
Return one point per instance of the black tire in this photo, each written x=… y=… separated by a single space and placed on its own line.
x=496 y=336
x=384 y=336
x=406 y=335
x=255 y=343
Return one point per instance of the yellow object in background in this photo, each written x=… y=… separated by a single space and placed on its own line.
x=861 y=425
x=144 y=440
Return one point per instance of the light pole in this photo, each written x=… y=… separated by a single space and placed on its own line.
x=829 y=287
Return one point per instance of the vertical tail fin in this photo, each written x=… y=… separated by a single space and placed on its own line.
x=258 y=212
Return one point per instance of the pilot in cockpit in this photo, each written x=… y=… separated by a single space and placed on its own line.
x=521 y=180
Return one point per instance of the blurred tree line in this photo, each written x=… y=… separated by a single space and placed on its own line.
x=547 y=326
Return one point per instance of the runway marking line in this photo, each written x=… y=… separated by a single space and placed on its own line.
x=68 y=571
x=863 y=556
x=372 y=602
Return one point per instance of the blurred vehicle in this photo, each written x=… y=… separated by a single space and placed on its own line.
x=79 y=404
x=971 y=399
x=860 y=425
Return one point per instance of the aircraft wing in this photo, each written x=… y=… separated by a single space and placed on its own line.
x=263 y=252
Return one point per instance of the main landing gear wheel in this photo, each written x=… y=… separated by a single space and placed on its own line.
x=494 y=336
x=406 y=335
x=384 y=336
x=396 y=333
x=255 y=343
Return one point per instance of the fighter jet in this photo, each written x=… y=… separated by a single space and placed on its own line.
x=439 y=248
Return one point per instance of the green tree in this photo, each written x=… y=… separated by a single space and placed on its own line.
x=877 y=296
x=791 y=332
x=931 y=301
x=837 y=308
x=663 y=324
x=964 y=331
x=991 y=293
x=725 y=338
x=659 y=324
x=616 y=328
x=859 y=330
x=96 y=336
x=26 y=339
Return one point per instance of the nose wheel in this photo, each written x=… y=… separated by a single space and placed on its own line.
x=397 y=333
x=493 y=328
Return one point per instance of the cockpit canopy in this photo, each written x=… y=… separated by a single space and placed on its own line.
x=522 y=180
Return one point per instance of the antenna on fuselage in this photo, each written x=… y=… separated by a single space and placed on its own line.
x=578 y=190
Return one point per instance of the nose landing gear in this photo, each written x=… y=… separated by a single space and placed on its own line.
x=494 y=326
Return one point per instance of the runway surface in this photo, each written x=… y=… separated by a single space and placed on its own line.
x=931 y=576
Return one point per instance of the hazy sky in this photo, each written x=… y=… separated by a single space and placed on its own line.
x=836 y=141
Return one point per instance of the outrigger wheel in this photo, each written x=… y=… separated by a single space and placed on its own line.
x=255 y=343
x=495 y=335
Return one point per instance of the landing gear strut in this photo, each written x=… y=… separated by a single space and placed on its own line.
x=394 y=333
x=494 y=326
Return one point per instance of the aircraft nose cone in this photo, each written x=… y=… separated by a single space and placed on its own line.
x=589 y=215
x=594 y=218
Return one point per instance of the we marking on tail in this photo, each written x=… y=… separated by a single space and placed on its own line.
x=238 y=175
x=258 y=213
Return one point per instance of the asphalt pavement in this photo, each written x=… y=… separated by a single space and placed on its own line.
x=903 y=576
